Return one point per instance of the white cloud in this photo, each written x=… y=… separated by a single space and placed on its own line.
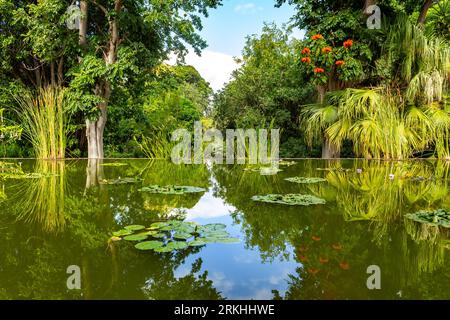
x=247 y=8
x=215 y=67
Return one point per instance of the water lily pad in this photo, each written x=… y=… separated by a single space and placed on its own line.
x=164 y=249
x=148 y=245
x=136 y=237
x=438 y=218
x=290 y=199
x=213 y=227
x=177 y=245
x=158 y=225
x=171 y=189
x=122 y=233
x=182 y=236
x=305 y=180
x=158 y=235
x=197 y=243
x=120 y=181
x=135 y=227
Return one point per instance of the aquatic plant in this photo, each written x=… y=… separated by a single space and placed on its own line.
x=438 y=218
x=174 y=235
x=305 y=180
x=171 y=189
x=44 y=120
x=120 y=181
x=290 y=199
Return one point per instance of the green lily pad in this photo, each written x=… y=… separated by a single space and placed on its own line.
x=158 y=235
x=164 y=249
x=120 y=181
x=122 y=233
x=305 y=180
x=134 y=227
x=158 y=225
x=197 y=243
x=148 y=245
x=177 y=190
x=182 y=236
x=290 y=199
x=438 y=218
x=136 y=237
x=177 y=245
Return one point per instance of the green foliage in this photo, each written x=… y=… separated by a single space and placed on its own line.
x=267 y=89
x=438 y=218
x=175 y=235
x=290 y=199
x=44 y=119
x=171 y=189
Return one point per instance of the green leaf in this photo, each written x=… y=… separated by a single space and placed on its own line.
x=148 y=245
x=121 y=233
x=197 y=243
x=183 y=236
x=176 y=190
x=290 y=199
x=136 y=237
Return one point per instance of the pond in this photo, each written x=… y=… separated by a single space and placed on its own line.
x=55 y=215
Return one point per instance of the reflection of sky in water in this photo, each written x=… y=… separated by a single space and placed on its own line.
x=237 y=272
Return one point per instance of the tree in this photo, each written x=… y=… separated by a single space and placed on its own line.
x=267 y=89
x=115 y=32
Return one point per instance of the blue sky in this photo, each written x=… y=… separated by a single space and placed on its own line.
x=226 y=29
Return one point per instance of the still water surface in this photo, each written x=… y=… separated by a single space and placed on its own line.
x=66 y=217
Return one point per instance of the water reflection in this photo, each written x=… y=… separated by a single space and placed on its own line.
x=66 y=215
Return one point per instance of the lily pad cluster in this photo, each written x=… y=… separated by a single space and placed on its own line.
x=120 y=181
x=173 y=235
x=171 y=189
x=438 y=218
x=305 y=180
x=290 y=199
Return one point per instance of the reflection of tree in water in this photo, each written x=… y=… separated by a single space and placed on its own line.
x=70 y=225
x=362 y=224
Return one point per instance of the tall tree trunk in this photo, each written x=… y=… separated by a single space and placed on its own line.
x=329 y=151
x=424 y=10
x=83 y=23
x=368 y=3
x=95 y=129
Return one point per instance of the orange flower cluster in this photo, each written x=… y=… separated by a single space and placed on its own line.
x=306 y=60
x=340 y=63
x=306 y=51
x=327 y=50
x=348 y=43
x=317 y=37
x=319 y=70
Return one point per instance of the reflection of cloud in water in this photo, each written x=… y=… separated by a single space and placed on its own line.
x=221 y=283
x=209 y=207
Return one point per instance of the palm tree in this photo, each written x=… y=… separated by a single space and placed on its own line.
x=407 y=113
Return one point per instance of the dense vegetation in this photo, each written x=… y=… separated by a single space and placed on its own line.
x=343 y=90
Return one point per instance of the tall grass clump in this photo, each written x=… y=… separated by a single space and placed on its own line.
x=42 y=114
